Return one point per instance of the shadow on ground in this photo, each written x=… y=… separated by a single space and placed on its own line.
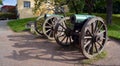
x=29 y=47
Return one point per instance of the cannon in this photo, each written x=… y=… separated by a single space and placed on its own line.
x=49 y=25
x=44 y=25
x=88 y=32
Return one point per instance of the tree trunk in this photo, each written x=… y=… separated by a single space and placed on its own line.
x=109 y=11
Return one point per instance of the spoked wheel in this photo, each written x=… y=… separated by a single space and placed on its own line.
x=93 y=37
x=49 y=26
x=63 y=34
x=39 y=25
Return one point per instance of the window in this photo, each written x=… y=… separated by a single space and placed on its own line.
x=27 y=4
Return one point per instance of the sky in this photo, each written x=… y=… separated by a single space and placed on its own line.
x=9 y=2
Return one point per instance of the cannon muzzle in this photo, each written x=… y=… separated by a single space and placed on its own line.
x=78 y=18
x=48 y=15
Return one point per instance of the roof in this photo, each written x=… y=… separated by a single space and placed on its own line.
x=8 y=6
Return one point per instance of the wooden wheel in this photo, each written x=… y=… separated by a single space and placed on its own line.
x=49 y=25
x=93 y=37
x=39 y=24
x=62 y=33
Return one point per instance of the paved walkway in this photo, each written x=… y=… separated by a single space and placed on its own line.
x=24 y=49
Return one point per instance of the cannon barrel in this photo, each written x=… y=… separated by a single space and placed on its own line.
x=78 y=18
x=48 y=15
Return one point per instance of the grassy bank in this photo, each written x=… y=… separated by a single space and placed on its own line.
x=113 y=30
x=19 y=24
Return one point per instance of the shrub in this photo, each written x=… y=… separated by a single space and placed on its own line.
x=7 y=16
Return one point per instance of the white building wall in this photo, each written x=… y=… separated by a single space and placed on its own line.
x=25 y=12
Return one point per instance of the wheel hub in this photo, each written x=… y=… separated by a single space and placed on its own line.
x=68 y=32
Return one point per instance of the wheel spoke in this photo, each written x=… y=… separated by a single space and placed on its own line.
x=62 y=26
x=48 y=30
x=87 y=44
x=92 y=49
x=53 y=21
x=66 y=40
x=61 y=31
x=100 y=28
x=96 y=47
x=96 y=25
x=47 y=26
x=88 y=50
x=92 y=28
x=89 y=32
x=99 y=44
x=50 y=33
x=87 y=37
x=100 y=34
x=70 y=39
x=61 y=35
x=63 y=38
x=102 y=37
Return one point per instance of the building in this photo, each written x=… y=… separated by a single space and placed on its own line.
x=8 y=8
x=24 y=8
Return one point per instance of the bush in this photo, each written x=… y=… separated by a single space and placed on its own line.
x=8 y=16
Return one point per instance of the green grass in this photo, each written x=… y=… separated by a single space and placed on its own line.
x=114 y=29
x=19 y=24
x=98 y=57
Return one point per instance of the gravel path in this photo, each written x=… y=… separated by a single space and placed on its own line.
x=25 y=49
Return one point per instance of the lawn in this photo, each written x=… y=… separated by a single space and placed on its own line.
x=19 y=24
x=113 y=30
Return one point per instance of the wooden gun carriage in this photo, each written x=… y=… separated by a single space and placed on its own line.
x=88 y=32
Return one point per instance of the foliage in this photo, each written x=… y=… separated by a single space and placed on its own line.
x=116 y=7
x=12 y=10
x=79 y=4
x=7 y=15
x=98 y=6
x=0 y=2
x=19 y=25
x=114 y=29
x=38 y=3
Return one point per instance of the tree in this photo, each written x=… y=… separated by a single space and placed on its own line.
x=0 y=2
x=76 y=6
x=109 y=11
x=38 y=3
x=90 y=5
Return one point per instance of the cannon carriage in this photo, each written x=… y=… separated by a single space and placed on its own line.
x=88 y=32
x=44 y=24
